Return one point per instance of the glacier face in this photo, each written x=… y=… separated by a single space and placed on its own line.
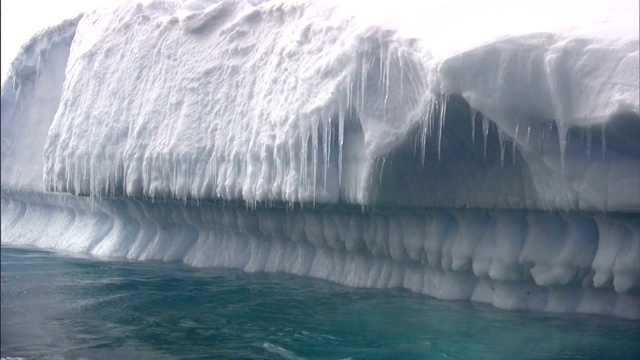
x=288 y=136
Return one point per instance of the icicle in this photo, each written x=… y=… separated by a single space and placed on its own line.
x=325 y=152
x=562 y=137
x=349 y=98
x=190 y=191
x=363 y=83
x=340 y=143
x=174 y=186
x=381 y=73
x=528 y=135
x=503 y=145
x=387 y=82
x=315 y=149
x=443 y=112
x=589 y=144
x=423 y=136
x=400 y=63
x=473 y=125
x=604 y=140
x=427 y=127
x=241 y=177
x=514 y=143
x=384 y=159
x=485 y=134
x=303 y=159
x=329 y=142
x=548 y=133
x=541 y=140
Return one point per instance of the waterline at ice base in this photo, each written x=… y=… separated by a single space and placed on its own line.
x=484 y=152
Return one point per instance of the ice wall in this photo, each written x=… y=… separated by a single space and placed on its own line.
x=292 y=102
x=30 y=100
x=501 y=167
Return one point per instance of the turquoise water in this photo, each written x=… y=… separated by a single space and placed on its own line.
x=58 y=307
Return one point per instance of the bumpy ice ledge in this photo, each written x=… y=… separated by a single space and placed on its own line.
x=499 y=164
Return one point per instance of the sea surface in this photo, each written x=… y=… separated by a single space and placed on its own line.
x=57 y=306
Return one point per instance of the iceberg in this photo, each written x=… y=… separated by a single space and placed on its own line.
x=486 y=152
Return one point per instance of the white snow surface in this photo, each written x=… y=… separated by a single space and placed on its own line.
x=466 y=150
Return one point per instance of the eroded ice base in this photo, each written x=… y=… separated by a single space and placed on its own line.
x=558 y=262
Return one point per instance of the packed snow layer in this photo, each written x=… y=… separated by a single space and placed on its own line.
x=501 y=167
x=511 y=259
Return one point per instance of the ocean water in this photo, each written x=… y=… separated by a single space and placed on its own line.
x=56 y=306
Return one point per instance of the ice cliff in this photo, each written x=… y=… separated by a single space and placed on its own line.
x=464 y=157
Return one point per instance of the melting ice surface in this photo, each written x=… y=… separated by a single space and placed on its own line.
x=484 y=152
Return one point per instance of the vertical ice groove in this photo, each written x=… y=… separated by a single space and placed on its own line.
x=17 y=87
